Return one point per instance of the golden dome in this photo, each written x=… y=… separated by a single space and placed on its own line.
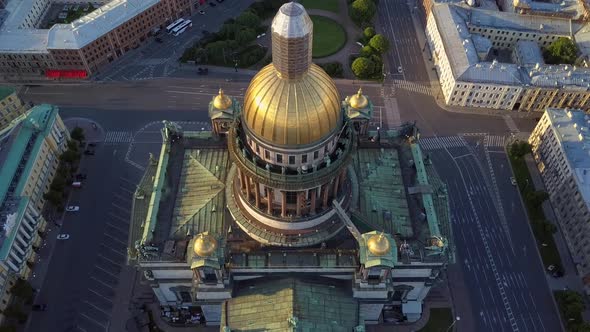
x=358 y=101
x=221 y=101
x=378 y=244
x=291 y=112
x=204 y=245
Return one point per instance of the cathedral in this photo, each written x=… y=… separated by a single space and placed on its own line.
x=292 y=213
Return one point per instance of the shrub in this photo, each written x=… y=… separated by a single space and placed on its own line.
x=334 y=69
x=367 y=51
x=379 y=43
x=248 y=19
x=369 y=32
x=363 y=67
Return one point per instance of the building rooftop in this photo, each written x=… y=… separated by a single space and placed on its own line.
x=517 y=22
x=452 y=21
x=16 y=39
x=86 y=29
x=529 y=53
x=292 y=305
x=6 y=91
x=574 y=135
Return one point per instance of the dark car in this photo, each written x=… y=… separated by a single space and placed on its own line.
x=203 y=71
x=89 y=152
x=92 y=144
x=212 y=4
x=220 y=1
x=80 y=176
x=39 y=307
x=159 y=40
x=557 y=273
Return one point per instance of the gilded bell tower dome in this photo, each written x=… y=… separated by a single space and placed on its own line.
x=292 y=101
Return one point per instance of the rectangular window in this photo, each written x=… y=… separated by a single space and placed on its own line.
x=266 y=154
x=279 y=158
x=291 y=160
x=304 y=159
x=316 y=154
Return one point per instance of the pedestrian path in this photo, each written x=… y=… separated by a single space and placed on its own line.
x=436 y=143
x=494 y=141
x=118 y=137
x=510 y=123
x=413 y=86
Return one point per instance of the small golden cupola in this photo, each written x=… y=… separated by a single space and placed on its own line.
x=378 y=244
x=221 y=101
x=358 y=101
x=205 y=245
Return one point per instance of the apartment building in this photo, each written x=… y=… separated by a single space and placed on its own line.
x=84 y=45
x=11 y=107
x=465 y=43
x=29 y=153
x=561 y=148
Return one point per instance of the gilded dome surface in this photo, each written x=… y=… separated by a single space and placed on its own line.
x=291 y=112
x=204 y=245
x=358 y=101
x=221 y=101
x=378 y=244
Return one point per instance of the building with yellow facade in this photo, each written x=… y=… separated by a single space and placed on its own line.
x=11 y=106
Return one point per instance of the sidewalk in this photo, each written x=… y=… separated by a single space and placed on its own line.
x=571 y=279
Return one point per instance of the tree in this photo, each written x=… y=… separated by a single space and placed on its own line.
x=73 y=145
x=228 y=31
x=362 y=11
x=519 y=149
x=367 y=51
x=22 y=289
x=77 y=134
x=369 y=33
x=69 y=156
x=7 y=328
x=245 y=36
x=363 y=67
x=379 y=43
x=536 y=198
x=561 y=51
x=248 y=19
x=53 y=197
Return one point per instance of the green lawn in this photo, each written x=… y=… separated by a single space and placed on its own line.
x=440 y=320
x=331 y=5
x=328 y=36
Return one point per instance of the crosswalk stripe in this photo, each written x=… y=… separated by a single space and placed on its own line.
x=118 y=137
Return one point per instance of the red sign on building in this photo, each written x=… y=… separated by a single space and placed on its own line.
x=75 y=74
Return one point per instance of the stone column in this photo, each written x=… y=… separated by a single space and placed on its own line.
x=257 y=194
x=269 y=194
x=283 y=203
x=299 y=203
x=241 y=178
x=313 y=199
x=336 y=183
x=247 y=181
x=325 y=192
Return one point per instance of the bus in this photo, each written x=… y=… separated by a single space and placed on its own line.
x=182 y=27
x=174 y=25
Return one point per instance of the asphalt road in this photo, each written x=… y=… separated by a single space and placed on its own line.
x=160 y=59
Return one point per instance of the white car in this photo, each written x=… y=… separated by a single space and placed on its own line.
x=400 y=70
x=513 y=181
x=73 y=208
x=202 y=12
x=260 y=35
x=63 y=236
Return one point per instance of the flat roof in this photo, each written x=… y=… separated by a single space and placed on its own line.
x=529 y=52
x=6 y=91
x=572 y=128
x=512 y=21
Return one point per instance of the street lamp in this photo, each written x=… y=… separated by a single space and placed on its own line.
x=453 y=323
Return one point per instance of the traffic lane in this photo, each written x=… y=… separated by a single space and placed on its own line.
x=519 y=299
x=524 y=243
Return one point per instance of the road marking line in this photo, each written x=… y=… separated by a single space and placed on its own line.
x=103 y=283
x=120 y=218
x=122 y=197
x=121 y=208
x=107 y=272
x=93 y=320
x=113 y=250
x=125 y=180
x=117 y=228
x=114 y=238
x=110 y=260
x=97 y=308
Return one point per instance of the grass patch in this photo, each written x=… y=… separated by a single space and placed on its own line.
x=328 y=36
x=439 y=321
x=330 y=5
x=539 y=224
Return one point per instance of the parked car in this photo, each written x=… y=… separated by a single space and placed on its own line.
x=39 y=307
x=513 y=181
x=212 y=4
x=73 y=208
x=80 y=176
x=400 y=69
x=203 y=71
x=159 y=40
x=220 y=1
x=92 y=144
x=557 y=273
x=551 y=268
x=77 y=184
x=202 y=12
x=89 y=152
x=63 y=236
